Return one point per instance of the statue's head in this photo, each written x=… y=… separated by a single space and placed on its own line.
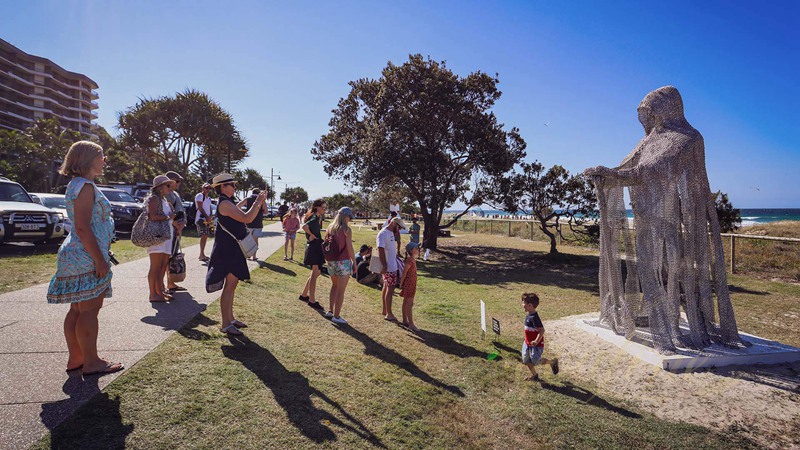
x=661 y=108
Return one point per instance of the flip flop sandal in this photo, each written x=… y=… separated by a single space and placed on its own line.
x=393 y=319
x=159 y=300
x=239 y=324
x=204 y=259
x=232 y=330
x=109 y=368
x=72 y=369
x=177 y=289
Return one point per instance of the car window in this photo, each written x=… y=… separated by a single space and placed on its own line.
x=13 y=193
x=118 y=196
x=54 y=202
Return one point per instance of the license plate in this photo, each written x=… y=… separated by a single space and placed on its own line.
x=30 y=227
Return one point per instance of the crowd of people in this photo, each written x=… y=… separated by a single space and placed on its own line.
x=83 y=275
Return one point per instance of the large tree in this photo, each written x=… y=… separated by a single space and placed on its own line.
x=340 y=200
x=294 y=194
x=730 y=218
x=425 y=126
x=182 y=132
x=553 y=197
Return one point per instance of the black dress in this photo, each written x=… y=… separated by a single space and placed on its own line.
x=226 y=256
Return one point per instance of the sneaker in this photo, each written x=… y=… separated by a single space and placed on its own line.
x=339 y=320
x=329 y=314
x=554 y=366
x=303 y=298
x=315 y=305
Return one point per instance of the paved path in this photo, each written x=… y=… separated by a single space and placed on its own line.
x=35 y=393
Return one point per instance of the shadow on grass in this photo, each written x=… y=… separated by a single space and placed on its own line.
x=514 y=351
x=97 y=424
x=293 y=393
x=385 y=354
x=277 y=269
x=587 y=397
x=447 y=344
x=485 y=265
x=740 y=290
x=174 y=315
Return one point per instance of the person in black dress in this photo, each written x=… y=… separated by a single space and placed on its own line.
x=227 y=264
x=312 y=225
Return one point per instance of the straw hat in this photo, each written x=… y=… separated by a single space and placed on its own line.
x=399 y=222
x=161 y=180
x=222 y=179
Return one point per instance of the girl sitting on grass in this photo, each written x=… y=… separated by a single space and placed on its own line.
x=408 y=284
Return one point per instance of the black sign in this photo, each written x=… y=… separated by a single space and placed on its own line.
x=496 y=326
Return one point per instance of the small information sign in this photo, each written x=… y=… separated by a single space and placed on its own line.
x=496 y=326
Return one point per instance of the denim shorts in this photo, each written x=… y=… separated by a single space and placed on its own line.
x=290 y=236
x=343 y=268
x=531 y=354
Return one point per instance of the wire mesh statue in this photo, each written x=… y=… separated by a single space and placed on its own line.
x=667 y=259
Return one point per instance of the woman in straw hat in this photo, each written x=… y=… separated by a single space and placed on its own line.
x=158 y=210
x=227 y=264
x=83 y=274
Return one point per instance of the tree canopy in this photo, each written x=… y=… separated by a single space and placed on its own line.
x=294 y=194
x=730 y=218
x=425 y=126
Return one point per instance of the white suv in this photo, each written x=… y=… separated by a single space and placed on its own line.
x=22 y=220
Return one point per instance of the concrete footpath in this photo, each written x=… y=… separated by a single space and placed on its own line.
x=36 y=394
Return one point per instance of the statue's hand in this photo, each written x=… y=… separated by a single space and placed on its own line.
x=598 y=171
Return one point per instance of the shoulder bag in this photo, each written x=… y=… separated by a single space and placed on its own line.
x=248 y=245
x=146 y=232
x=177 y=263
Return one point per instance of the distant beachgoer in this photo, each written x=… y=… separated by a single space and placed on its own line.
x=291 y=224
x=387 y=252
x=83 y=274
x=256 y=226
x=178 y=224
x=533 y=345
x=312 y=226
x=203 y=218
x=342 y=267
x=228 y=265
x=408 y=284
x=362 y=274
x=413 y=231
x=283 y=210
x=158 y=209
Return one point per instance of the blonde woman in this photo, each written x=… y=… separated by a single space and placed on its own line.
x=83 y=274
x=342 y=267
x=159 y=210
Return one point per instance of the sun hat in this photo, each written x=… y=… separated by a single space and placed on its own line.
x=161 y=180
x=175 y=176
x=345 y=211
x=411 y=246
x=222 y=179
x=206 y=185
x=399 y=222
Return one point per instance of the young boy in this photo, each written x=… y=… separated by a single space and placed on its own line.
x=533 y=345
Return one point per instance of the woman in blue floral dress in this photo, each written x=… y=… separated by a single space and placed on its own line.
x=83 y=276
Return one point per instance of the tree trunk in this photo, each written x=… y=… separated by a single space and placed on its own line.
x=543 y=226
x=431 y=233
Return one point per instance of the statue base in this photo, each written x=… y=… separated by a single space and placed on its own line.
x=760 y=350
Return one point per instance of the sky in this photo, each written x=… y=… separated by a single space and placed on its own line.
x=572 y=73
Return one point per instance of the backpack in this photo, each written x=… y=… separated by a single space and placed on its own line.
x=331 y=248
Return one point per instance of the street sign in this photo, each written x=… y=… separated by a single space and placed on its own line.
x=496 y=326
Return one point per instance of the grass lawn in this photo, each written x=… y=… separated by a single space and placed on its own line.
x=25 y=266
x=297 y=381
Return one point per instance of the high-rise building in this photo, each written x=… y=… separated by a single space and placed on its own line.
x=32 y=87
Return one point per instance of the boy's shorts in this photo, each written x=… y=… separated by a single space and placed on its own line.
x=531 y=355
x=290 y=236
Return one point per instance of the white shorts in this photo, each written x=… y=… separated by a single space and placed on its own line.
x=256 y=232
x=164 y=247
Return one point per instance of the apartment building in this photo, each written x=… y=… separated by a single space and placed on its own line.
x=32 y=87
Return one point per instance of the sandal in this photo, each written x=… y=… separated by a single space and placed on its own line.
x=109 y=368
x=177 y=289
x=239 y=323
x=205 y=259
x=72 y=369
x=232 y=330
x=159 y=300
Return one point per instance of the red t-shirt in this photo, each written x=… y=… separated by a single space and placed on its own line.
x=532 y=322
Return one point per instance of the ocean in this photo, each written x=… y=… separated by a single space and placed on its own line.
x=750 y=216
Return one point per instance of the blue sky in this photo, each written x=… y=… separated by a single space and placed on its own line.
x=582 y=67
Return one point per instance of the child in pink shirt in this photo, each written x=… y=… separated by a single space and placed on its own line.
x=291 y=223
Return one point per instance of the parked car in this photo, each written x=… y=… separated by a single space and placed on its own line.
x=124 y=208
x=56 y=202
x=23 y=220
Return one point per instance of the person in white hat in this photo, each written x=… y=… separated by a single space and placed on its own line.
x=227 y=264
x=158 y=210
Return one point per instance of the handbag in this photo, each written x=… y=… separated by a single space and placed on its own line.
x=177 y=263
x=146 y=232
x=331 y=249
x=248 y=245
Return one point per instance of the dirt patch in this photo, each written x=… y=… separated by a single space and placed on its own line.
x=759 y=402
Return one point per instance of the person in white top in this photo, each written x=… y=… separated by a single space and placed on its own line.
x=160 y=253
x=203 y=218
x=387 y=252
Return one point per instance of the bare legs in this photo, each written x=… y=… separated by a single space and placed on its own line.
x=226 y=300
x=155 y=277
x=310 y=289
x=256 y=239
x=386 y=295
x=291 y=255
x=338 y=286
x=408 y=319
x=80 y=331
x=203 y=239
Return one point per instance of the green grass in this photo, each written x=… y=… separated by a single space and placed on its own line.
x=296 y=381
x=37 y=264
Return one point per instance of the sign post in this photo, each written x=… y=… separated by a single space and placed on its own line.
x=496 y=328
x=483 y=319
